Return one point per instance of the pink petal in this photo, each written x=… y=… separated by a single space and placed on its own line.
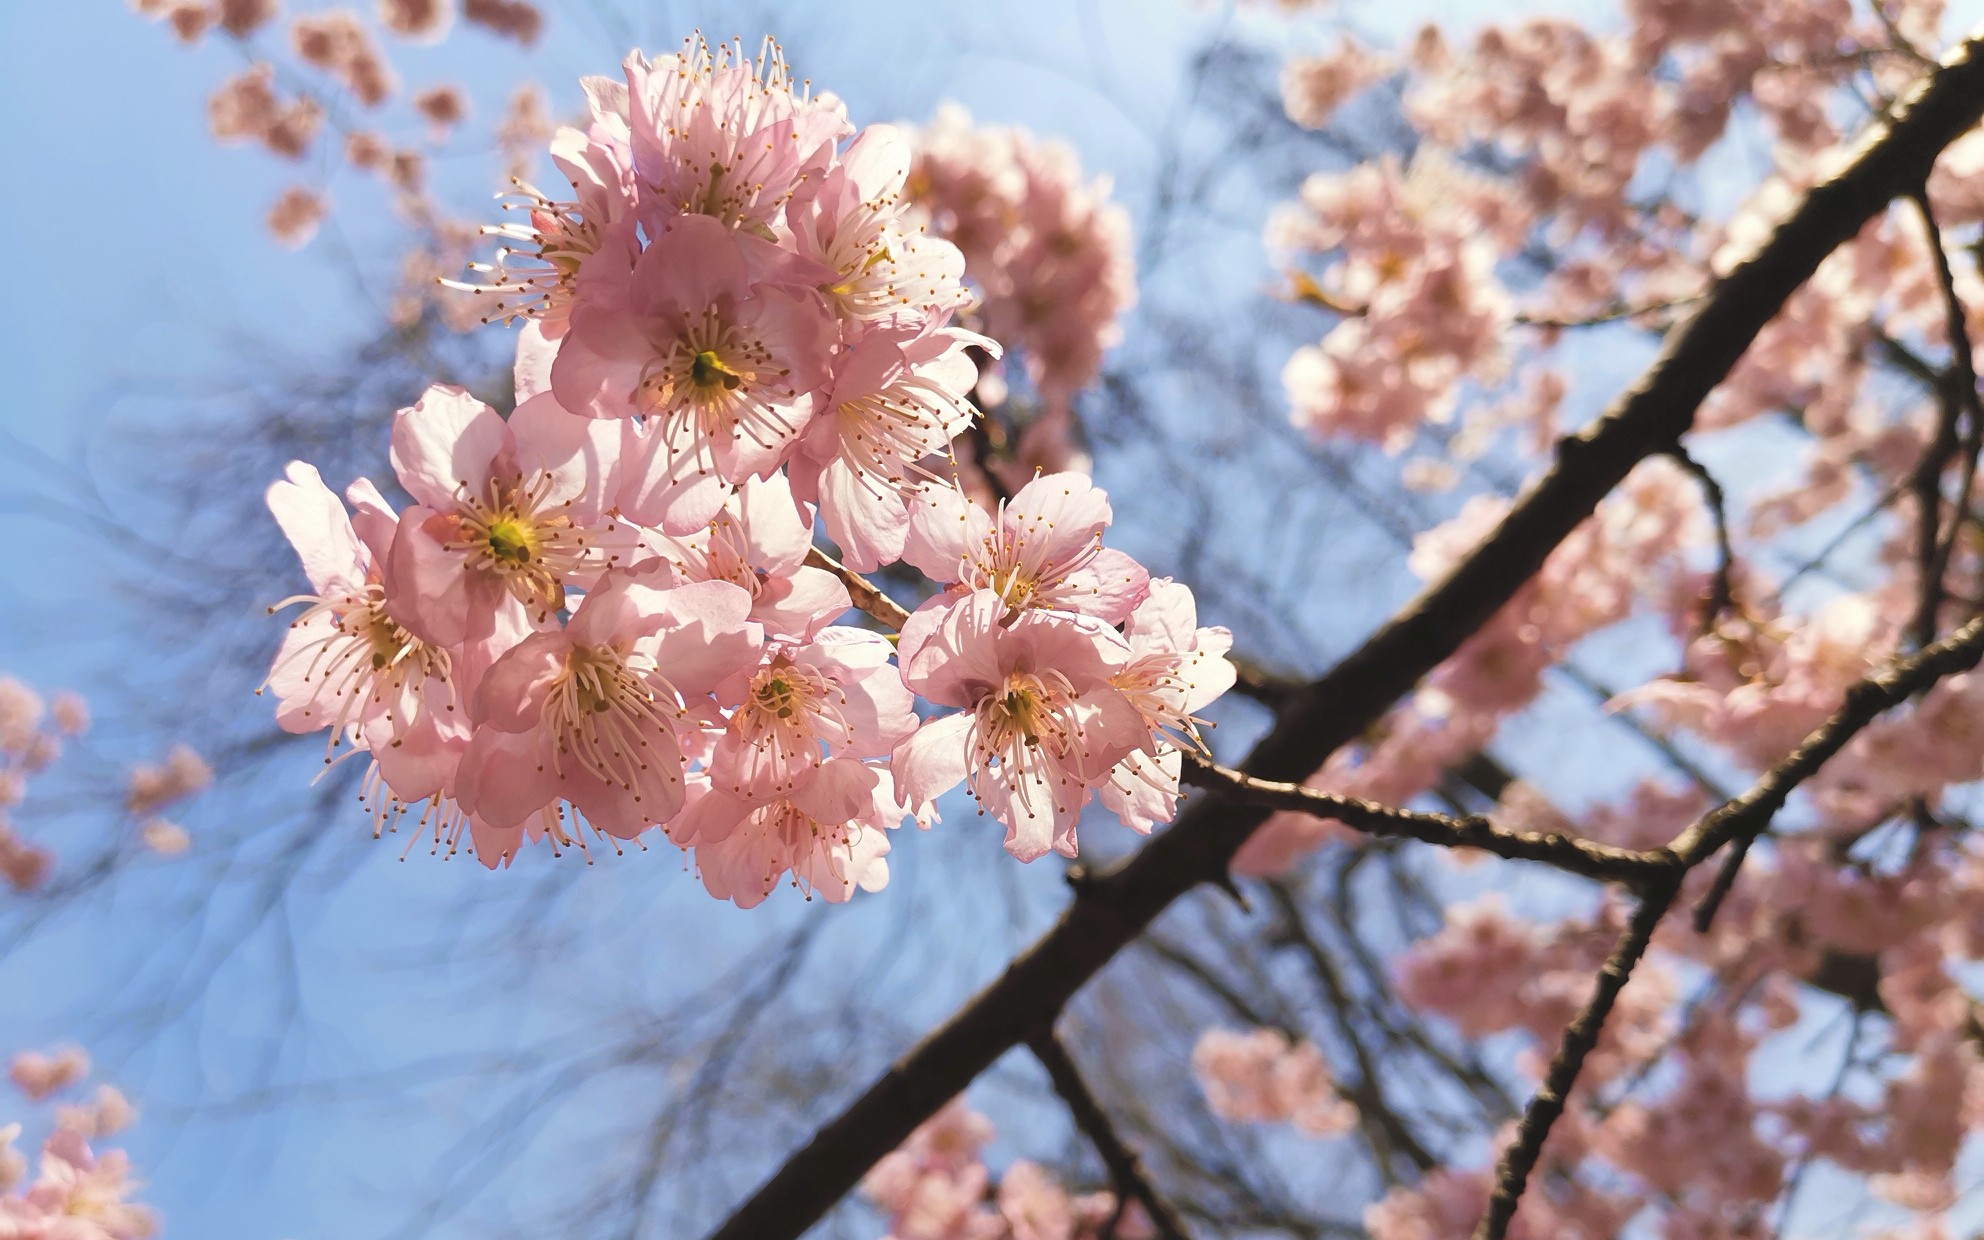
x=445 y=444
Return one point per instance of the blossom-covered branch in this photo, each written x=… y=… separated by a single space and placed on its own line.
x=1649 y=419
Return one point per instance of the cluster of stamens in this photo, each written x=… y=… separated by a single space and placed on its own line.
x=791 y=712
x=1029 y=722
x=714 y=382
x=604 y=714
x=536 y=273
x=1008 y=564
x=365 y=659
x=793 y=829
x=885 y=435
x=512 y=531
x=705 y=183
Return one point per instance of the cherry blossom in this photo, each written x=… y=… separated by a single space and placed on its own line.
x=346 y=665
x=595 y=713
x=721 y=134
x=1040 y=725
x=1041 y=549
x=758 y=541
x=830 y=834
x=714 y=341
x=898 y=398
x=835 y=695
x=507 y=514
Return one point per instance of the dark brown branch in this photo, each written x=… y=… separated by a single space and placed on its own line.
x=1254 y=681
x=1126 y=1170
x=1721 y=594
x=1742 y=820
x=1114 y=909
x=1567 y=853
x=1957 y=392
x=1519 y=1159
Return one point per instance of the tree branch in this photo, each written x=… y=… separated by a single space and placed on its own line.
x=1568 y=853
x=1722 y=593
x=1114 y=909
x=869 y=598
x=1741 y=820
x=1126 y=1170
x=1957 y=391
x=1519 y=1159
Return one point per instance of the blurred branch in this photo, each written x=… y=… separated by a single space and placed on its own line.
x=1957 y=394
x=1126 y=1171
x=1721 y=595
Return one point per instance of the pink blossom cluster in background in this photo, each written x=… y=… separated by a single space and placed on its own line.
x=181 y=774
x=31 y=734
x=937 y=1187
x=75 y=1192
x=1049 y=256
x=599 y=612
x=320 y=84
x=1263 y=1077
x=1541 y=214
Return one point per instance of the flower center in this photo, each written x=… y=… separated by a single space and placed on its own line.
x=532 y=545
x=510 y=540
x=777 y=697
x=792 y=711
x=707 y=370
x=607 y=716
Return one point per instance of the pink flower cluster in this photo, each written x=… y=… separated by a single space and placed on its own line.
x=78 y=1193
x=1415 y=282
x=31 y=734
x=1049 y=255
x=937 y=1187
x=599 y=609
x=182 y=774
x=1262 y=1077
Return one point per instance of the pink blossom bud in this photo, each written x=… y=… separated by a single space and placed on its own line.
x=294 y=218
x=443 y=106
x=164 y=838
x=70 y=712
x=189 y=20
x=513 y=19
x=38 y=1074
x=423 y=21
x=242 y=18
x=244 y=107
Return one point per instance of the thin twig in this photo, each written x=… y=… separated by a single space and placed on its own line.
x=1742 y=820
x=1126 y=1170
x=1519 y=1159
x=1721 y=595
x=1957 y=391
x=1565 y=852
